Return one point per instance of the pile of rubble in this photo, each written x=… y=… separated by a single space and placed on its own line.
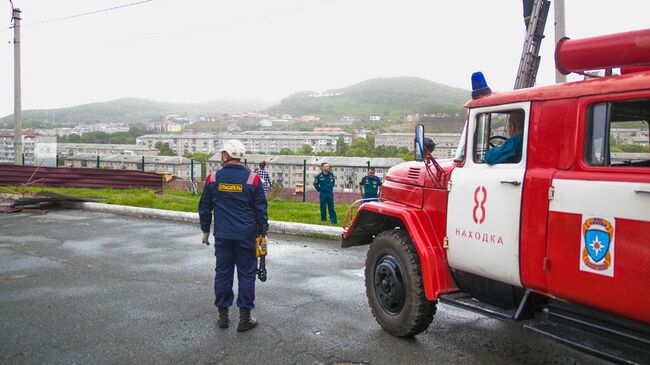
x=35 y=202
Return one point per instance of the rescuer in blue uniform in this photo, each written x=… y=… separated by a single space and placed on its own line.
x=324 y=184
x=236 y=196
x=510 y=151
x=369 y=186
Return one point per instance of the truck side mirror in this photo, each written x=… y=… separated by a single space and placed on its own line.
x=419 y=142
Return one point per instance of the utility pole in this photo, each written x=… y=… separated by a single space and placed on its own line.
x=18 y=122
x=560 y=33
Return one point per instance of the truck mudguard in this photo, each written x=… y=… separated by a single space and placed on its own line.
x=374 y=218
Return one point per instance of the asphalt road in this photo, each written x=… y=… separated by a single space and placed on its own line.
x=80 y=287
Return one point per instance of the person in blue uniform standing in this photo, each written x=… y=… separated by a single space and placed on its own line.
x=324 y=184
x=369 y=186
x=510 y=151
x=236 y=198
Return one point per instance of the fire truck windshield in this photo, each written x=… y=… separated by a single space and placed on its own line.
x=460 y=150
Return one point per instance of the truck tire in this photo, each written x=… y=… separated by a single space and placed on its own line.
x=394 y=285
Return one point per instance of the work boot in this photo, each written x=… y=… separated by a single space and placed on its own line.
x=245 y=321
x=223 y=318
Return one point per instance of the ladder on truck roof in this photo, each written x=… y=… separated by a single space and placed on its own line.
x=529 y=62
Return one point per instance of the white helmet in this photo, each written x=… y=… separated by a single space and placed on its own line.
x=234 y=148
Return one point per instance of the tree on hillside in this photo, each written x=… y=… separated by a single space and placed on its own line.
x=198 y=156
x=121 y=138
x=164 y=149
x=306 y=149
x=74 y=138
x=359 y=148
x=96 y=137
x=341 y=147
x=286 y=151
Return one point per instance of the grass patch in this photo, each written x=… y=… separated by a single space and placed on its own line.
x=287 y=211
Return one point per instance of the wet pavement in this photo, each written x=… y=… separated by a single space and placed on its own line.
x=81 y=287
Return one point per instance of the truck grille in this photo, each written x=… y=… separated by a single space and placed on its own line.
x=414 y=173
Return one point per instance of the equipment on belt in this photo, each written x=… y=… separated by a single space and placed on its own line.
x=260 y=251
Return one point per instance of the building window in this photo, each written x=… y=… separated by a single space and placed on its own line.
x=618 y=134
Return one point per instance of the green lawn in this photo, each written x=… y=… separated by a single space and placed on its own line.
x=186 y=202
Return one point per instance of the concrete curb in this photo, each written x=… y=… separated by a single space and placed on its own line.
x=298 y=229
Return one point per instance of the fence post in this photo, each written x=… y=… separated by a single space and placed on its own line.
x=304 y=180
x=56 y=164
x=368 y=164
x=246 y=162
x=23 y=159
x=142 y=167
x=97 y=161
x=192 y=169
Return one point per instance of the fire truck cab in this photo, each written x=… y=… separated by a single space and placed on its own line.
x=555 y=234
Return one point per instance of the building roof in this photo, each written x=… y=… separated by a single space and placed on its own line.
x=103 y=146
x=170 y=160
x=334 y=161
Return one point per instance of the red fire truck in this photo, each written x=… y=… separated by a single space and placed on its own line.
x=556 y=235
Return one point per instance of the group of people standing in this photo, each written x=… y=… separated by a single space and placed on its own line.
x=237 y=199
x=325 y=181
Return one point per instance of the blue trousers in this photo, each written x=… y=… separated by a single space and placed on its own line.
x=231 y=253
x=327 y=200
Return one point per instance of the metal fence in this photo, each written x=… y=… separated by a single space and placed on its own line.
x=190 y=169
x=15 y=175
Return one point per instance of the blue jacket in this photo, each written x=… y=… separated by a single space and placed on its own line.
x=509 y=152
x=237 y=198
x=325 y=182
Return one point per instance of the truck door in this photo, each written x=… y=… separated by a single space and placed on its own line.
x=484 y=205
x=599 y=212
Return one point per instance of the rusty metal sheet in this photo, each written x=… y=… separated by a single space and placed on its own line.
x=13 y=175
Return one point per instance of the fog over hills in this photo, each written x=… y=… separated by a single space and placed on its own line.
x=387 y=97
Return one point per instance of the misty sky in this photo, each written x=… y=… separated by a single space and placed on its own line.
x=198 y=50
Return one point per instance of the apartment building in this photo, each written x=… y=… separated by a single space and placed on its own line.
x=263 y=142
x=288 y=170
x=266 y=142
x=71 y=149
x=177 y=166
x=182 y=143
x=446 y=143
x=636 y=136
x=38 y=150
x=316 y=133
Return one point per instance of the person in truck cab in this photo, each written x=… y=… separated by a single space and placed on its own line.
x=510 y=151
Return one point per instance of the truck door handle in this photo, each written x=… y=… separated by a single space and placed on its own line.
x=511 y=182
x=642 y=191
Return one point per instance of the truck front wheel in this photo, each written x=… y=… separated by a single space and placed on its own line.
x=394 y=285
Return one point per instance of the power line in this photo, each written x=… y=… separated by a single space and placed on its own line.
x=81 y=14
x=224 y=25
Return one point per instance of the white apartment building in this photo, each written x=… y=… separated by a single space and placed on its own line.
x=347 y=137
x=37 y=149
x=446 y=143
x=71 y=149
x=264 y=142
x=288 y=170
x=182 y=143
x=274 y=142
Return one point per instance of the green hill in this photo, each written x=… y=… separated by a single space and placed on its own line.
x=386 y=97
x=127 y=110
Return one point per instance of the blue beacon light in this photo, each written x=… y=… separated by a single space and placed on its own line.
x=479 y=85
